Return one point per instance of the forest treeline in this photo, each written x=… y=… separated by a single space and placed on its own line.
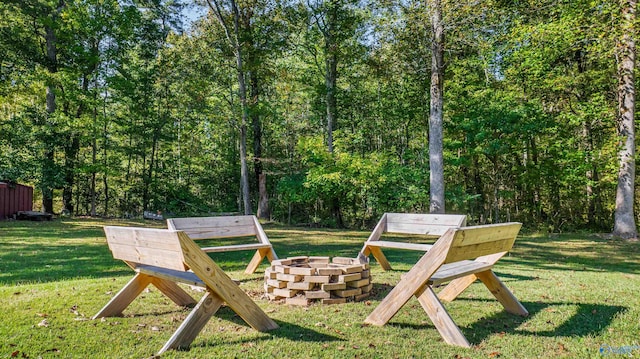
x=315 y=112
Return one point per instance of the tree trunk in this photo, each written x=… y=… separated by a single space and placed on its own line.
x=436 y=162
x=624 y=225
x=48 y=180
x=331 y=75
x=261 y=182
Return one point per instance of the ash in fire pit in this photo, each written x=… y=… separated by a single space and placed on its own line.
x=302 y=280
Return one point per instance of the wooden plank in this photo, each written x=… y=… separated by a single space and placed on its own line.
x=184 y=224
x=220 y=283
x=349 y=277
x=487 y=233
x=401 y=245
x=431 y=231
x=289 y=277
x=317 y=294
x=236 y=247
x=380 y=257
x=124 y=297
x=193 y=324
x=220 y=232
x=281 y=269
x=284 y=292
x=352 y=269
x=302 y=270
x=333 y=286
x=257 y=258
x=348 y=292
x=415 y=279
x=276 y=283
x=441 y=318
x=173 y=291
x=334 y=301
x=358 y=283
x=329 y=271
x=298 y=301
x=173 y=275
x=142 y=237
x=262 y=237
x=148 y=256
x=300 y=285
x=379 y=229
x=317 y=279
x=343 y=260
x=452 y=220
x=502 y=293
x=157 y=247
x=456 y=287
x=456 y=270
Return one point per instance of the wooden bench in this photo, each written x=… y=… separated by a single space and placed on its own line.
x=450 y=260
x=227 y=227
x=427 y=225
x=163 y=258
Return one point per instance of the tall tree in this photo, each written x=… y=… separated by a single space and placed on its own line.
x=235 y=38
x=625 y=225
x=436 y=156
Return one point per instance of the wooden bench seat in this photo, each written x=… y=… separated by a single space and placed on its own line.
x=198 y=228
x=449 y=260
x=165 y=258
x=189 y=278
x=430 y=226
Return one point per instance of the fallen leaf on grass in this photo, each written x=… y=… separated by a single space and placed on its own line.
x=44 y=323
x=43 y=315
x=155 y=329
x=355 y=347
x=340 y=348
x=494 y=355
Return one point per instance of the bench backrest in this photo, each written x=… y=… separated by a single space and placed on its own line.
x=477 y=241
x=432 y=225
x=155 y=247
x=216 y=227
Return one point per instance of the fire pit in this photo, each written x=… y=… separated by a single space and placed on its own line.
x=303 y=280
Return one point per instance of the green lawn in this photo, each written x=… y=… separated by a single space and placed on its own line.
x=581 y=292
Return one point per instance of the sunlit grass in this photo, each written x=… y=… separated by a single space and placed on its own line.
x=580 y=290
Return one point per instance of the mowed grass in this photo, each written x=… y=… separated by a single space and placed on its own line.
x=581 y=292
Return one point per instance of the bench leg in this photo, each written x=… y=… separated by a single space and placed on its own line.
x=173 y=291
x=193 y=324
x=256 y=260
x=125 y=296
x=441 y=318
x=379 y=256
x=502 y=293
x=452 y=290
x=271 y=255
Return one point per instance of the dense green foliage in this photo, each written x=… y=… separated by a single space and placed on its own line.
x=148 y=114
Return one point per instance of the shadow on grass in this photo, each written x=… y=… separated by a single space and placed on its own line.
x=286 y=330
x=589 y=320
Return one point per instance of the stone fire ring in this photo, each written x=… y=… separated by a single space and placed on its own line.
x=303 y=280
